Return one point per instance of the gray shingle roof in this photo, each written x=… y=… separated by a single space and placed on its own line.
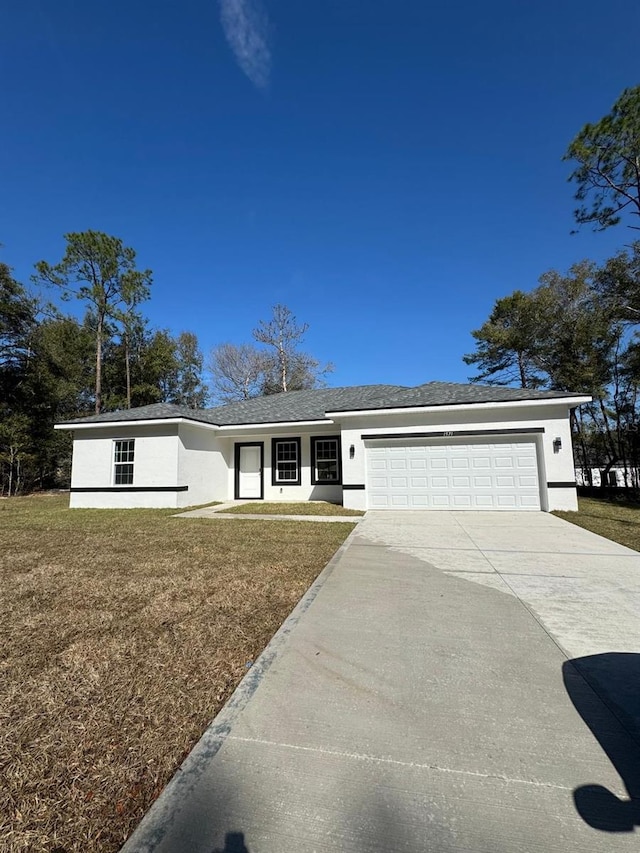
x=155 y=411
x=302 y=405
x=456 y=393
x=312 y=405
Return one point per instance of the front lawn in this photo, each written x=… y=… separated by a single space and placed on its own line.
x=302 y=508
x=617 y=521
x=122 y=633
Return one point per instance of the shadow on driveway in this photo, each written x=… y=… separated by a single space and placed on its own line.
x=233 y=843
x=605 y=690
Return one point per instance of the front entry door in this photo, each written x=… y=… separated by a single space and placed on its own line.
x=249 y=471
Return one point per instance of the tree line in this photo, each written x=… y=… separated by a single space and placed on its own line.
x=575 y=332
x=54 y=367
x=578 y=330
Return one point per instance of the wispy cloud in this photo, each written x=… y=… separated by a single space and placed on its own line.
x=246 y=28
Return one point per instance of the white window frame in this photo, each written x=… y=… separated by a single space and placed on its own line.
x=119 y=464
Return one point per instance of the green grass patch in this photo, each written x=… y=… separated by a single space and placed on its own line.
x=302 y=508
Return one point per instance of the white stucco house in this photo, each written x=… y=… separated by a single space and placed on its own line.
x=436 y=446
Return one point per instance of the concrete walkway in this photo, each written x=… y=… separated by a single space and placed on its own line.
x=453 y=682
x=219 y=512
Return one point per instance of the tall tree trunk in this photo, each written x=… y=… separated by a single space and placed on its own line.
x=521 y=369
x=586 y=461
x=10 y=470
x=633 y=441
x=578 y=442
x=127 y=367
x=615 y=399
x=99 y=331
x=283 y=366
x=610 y=441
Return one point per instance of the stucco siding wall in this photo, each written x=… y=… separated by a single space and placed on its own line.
x=554 y=467
x=123 y=500
x=155 y=464
x=202 y=465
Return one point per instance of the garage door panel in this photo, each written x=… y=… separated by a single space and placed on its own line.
x=461 y=482
x=530 y=501
x=502 y=481
x=482 y=482
x=526 y=462
x=400 y=501
x=376 y=453
x=503 y=462
x=462 y=501
x=378 y=484
x=483 y=462
x=500 y=475
x=459 y=463
x=378 y=501
x=528 y=481
x=440 y=501
x=483 y=501
x=439 y=482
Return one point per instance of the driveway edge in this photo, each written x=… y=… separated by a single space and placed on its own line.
x=154 y=825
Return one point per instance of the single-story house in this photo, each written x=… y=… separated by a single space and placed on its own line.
x=436 y=446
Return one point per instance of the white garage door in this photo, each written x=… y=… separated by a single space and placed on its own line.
x=438 y=475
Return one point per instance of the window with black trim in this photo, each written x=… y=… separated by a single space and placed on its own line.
x=123 y=453
x=325 y=460
x=285 y=462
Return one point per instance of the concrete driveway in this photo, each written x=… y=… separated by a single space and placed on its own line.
x=454 y=682
x=584 y=589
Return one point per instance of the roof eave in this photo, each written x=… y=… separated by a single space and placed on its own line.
x=74 y=425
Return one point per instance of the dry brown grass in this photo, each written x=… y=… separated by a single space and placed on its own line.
x=301 y=508
x=122 y=633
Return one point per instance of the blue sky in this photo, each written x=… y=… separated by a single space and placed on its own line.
x=386 y=168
